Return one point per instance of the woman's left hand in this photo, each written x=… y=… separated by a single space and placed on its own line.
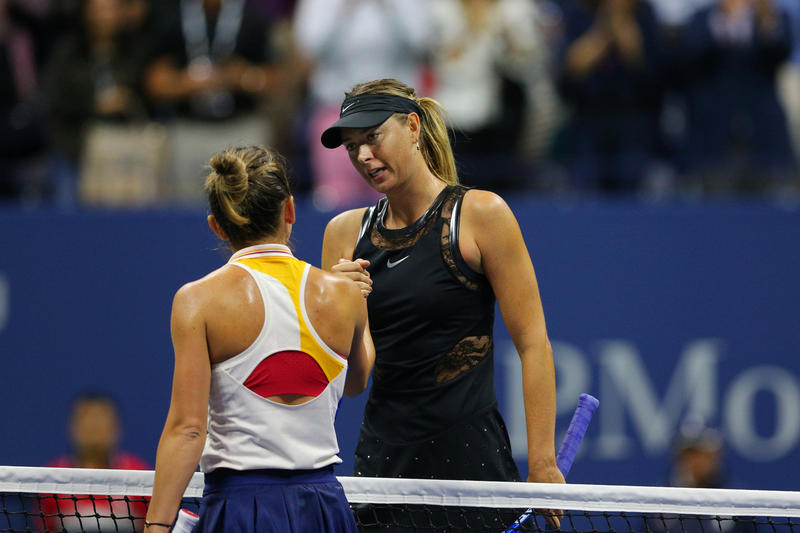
x=356 y=270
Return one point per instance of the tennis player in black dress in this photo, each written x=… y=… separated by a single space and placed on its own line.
x=431 y=258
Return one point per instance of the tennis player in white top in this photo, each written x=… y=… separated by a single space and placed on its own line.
x=265 y=346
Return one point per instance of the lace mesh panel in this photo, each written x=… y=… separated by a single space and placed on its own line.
x=467 y=353
x=447 y=252
x=382 y=242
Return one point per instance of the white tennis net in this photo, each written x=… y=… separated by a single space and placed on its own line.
x=88 y=500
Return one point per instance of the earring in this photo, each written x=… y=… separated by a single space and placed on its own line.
x=417 y=146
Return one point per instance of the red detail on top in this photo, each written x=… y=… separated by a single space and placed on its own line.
x=289 y=372
x=265 y=252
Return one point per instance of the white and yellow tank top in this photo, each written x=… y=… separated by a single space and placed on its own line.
x=245 y=429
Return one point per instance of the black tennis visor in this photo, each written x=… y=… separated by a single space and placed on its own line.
x=366 y=111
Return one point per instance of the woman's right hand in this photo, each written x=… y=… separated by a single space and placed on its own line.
x=356 y=270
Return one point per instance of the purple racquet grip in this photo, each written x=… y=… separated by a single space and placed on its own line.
x=577 y=428
x=569 y=446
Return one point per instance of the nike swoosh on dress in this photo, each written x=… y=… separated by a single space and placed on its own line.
x=392 y=264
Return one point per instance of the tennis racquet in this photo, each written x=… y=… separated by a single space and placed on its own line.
x=569 y=447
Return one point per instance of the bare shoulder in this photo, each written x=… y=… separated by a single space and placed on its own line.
x=335 y=307
x=345 y=225
x=340 y=237
x=339 y=288
x=223 y=280
x=481 y=208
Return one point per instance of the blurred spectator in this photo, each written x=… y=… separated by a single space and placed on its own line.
x=610 y=75
x=675 y=14
x=94 y=432
x=789 y=81
x=697 y=460
x=211 y=71
x=287 y=105
x=737 y=136
x=545 y=109
x=92 y=77
x=348 y=42
x=24 y=43
x=697 y=463
x=487 y=54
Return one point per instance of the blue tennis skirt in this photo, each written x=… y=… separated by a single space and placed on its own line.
x=286 y=501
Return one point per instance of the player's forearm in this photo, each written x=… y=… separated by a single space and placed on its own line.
x=359 y=365
x=177 y=457
x=539 y=396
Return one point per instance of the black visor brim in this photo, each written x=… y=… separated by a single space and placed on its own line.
x=332 y=137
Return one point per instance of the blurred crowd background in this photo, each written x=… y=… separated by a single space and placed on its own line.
x=121 y=102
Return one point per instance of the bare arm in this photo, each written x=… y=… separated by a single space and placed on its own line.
x=340 y=237
x=338 y=245
x=165 y=82
x=504 y=259
x=625 y=32
x=184 y=433
x=587 y=51
x=362 y=353
x=252 y=78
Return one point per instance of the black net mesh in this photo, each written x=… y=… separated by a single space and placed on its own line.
x=75 y=513
x=430 y=519
x=69 y=513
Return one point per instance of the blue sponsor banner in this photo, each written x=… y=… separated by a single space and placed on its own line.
x=659 y=311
